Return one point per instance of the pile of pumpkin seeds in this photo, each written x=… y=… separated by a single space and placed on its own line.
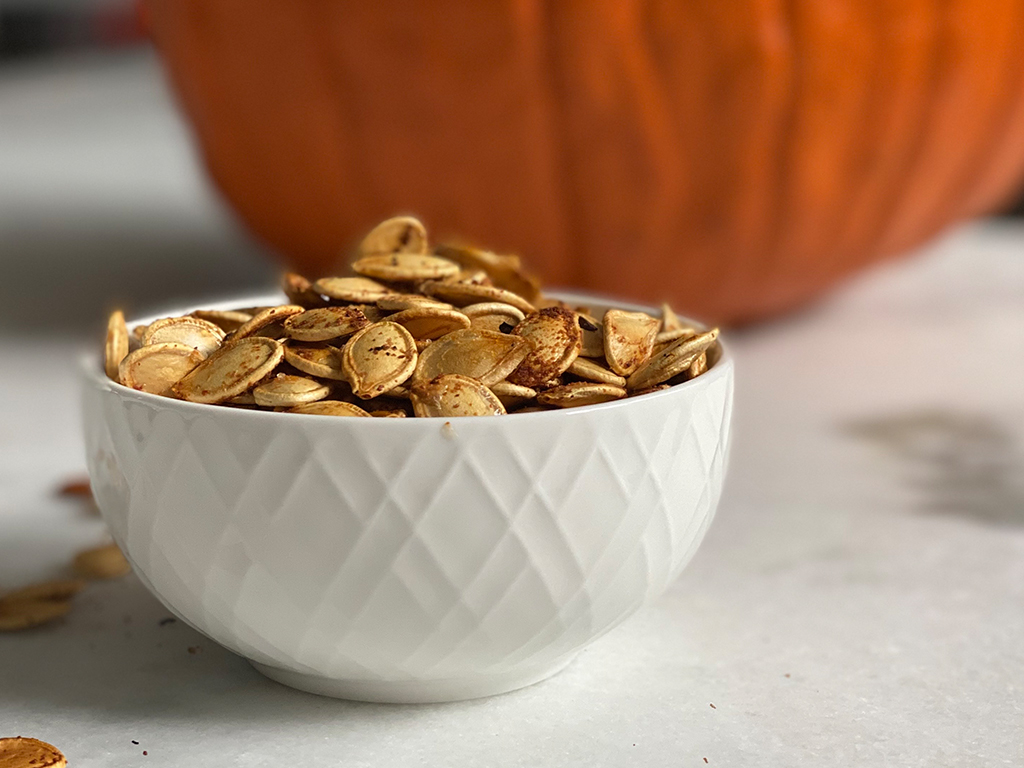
x=413 y=331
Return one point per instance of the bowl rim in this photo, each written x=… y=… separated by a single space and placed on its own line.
x=92 y=371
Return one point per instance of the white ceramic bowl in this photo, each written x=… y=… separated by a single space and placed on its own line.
x=408 y=560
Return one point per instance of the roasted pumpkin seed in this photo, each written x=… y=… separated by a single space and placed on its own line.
x=672 y=360
x=325 y=323
x=286 y=391
x=116 y=348
x=628 y=339
x=580 y=393
x=330 y=408
x=427 y=322
x=358 y=290
x=378 y=358
x=201 y=335
x=405 y=266
x=400 y=234
x=485 y=356
x=233 y=369
x=156 y=368
x=556 y=340
x=493 y=315
x=453 y=395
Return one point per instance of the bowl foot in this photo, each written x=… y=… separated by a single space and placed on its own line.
x=414 y=691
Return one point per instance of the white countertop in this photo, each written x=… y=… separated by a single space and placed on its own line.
x=859 y=600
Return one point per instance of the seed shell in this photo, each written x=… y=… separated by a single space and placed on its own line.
x=106 y=562
x=202 y=335
x=511 y=394
x=400 y=234
x=486 y=356
x=116 y=348
x=405 y=266
x=672 y=360
x=325 y=323
x=461 y=294
x=156 y=368
x=453 y=395
x=264 y=319
x=358 y=290
x=591 y=371
x=492 y=315
x=300 y=291
x=226 y=319
x=556 y=339
x=592 y=329
x=377 y=358
x=628 y=339
x=233 y=369
x=580 y=393
x=287 y=391
x=426 y=322
x=22 y=752
x=330 y=408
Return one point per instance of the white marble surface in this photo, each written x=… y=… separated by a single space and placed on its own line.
x=858 y=602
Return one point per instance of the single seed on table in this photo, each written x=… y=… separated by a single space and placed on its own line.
x=587 y=369
x=55 y=590
x=285 y=390
x=400 y=234
x=325 y=323
x=22 y=752
x=321 y=360
x=580 y=393
x=330 y=408
x=233 y=369
x=358 y=290
x=405 y=266
x=377 y=358
x=453 y=395
x=264 y=319
x=116 y=348
x=672 y=360
x=486 y=356
x=105 y=562
x=426 y=322
x=156 y=368
x=628 y=339
x=201 y=335
x=26 y=614
x=556 y=339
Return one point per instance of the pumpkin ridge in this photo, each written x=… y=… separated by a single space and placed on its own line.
x=891 y=209
x=973 y=166
x=991 y=183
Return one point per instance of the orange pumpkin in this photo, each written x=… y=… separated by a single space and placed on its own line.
x=736 y=158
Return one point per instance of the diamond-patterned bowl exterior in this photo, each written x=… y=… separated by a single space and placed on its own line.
x=408 y=559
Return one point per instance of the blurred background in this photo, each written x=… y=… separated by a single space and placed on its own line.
x=805 y=170
x=104 y=201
